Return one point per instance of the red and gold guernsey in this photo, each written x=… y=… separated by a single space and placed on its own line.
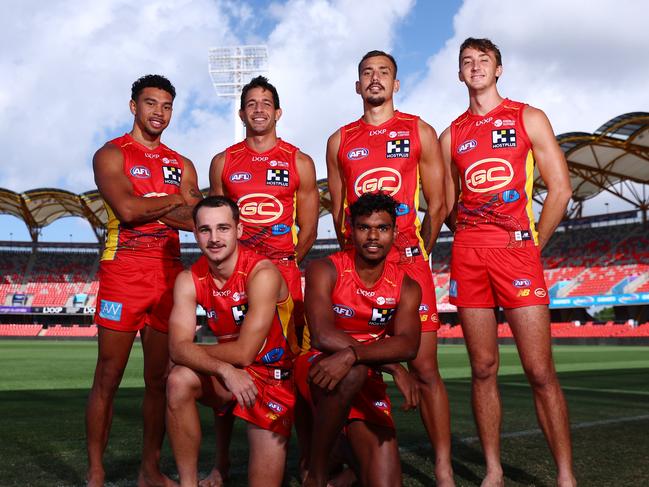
x=361 y=311
x=493 y=156
x=152 y=172
x=226 y=309
x=385 y=158
x=264 y=186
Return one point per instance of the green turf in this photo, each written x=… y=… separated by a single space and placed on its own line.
x=43 y=388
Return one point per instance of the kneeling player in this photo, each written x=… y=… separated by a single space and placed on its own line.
x=248 y=308
x=351 y=298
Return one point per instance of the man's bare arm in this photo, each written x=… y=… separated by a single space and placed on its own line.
x=432 y=173
x=216 y=172
x=181 y=217
x=116 y=189
x=264 y=287
x=307 y=206
x=336 y=185
x=553 y=169
x=452 y=186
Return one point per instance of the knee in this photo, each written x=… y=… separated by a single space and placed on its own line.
x=353 y=381
x=541 y=376
x=108 y=376
x=182 y=385
x=156 y=380
x=484 y=368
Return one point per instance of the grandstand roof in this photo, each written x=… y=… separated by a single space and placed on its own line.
x=611 y=159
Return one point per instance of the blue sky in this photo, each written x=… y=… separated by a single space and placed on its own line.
x=66 y=67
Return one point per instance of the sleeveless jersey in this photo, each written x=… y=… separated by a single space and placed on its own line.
x=364 y=312
x=152 y=172
x=493 y=155
x=264 y=186
x=385 y=158
x=226 y=309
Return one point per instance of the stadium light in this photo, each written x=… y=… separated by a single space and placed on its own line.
x=231 y=68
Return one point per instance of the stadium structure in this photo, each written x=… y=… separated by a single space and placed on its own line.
x=596 y=267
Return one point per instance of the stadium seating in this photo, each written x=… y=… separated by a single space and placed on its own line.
x=71 y=331
x=15 y=330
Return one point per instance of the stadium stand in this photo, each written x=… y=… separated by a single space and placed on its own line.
x=71 y=331
x=18 y=330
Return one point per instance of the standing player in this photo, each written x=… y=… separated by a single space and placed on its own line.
x=149 y=191
x=249 y=309
x=386 y=150
x=352 y=297
x=275 y=187
x=496 y=251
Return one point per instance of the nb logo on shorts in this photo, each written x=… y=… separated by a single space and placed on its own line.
x=110 y=310
x=452 y=290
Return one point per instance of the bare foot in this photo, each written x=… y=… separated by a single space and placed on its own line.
x=150 y=479
x=346 y=478
x=493 y=480
x=95 y=478
x=214 y=479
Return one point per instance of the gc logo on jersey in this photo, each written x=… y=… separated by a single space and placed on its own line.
x=383 y=179
x=397 y=148
x=239 y=313
x=381 y=316
x=171 y=175
x=277 y=177
x=503 y=138
x=488 y=175
x=259 y=208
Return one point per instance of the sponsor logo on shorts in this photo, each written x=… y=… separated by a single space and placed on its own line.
x=452 y=288
x=343 y=311
x=522 y=235
x=239 y=313
x=358 y=153
x=171 y=175
x=402 y=209
x=523 y=293
x=503 y=138
x=423 y=318
x=510 y=196
x=277 y=177
x=381 y=404
x=487 y=175
x=539 y=292
x=110 y=310
x=412 y=251
x=434 y=318
x=423 y=308
x=275 y=407
x=259 y=208
x=240 y=177
x=140 y=172
x=521 y=283
x=397 y=148
x=381 y=316
x=273 y=355
x=384 y=179
x=280 y=229
x=467 y=146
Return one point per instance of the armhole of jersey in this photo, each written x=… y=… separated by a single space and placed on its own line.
x=452 y=131
x=418 y=135
x=339 y=156
x=524 y=106
x=294 y=162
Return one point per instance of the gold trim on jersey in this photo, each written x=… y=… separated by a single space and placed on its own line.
x=529 y=184
x=285 y=315
x=417 y=222
x=112 y=235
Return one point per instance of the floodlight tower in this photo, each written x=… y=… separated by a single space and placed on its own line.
x=231 y=68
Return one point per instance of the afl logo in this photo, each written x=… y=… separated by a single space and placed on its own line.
x=343 y=311
x=383 y=179
x=488 y=175
x=258 y=208
x=358 y=153
x=240 y=177
x=140 y=172
x=467 y=146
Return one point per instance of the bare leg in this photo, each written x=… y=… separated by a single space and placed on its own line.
x=376 y=449
x=332 y=409
x=434 y=407
x=267 y=457
x=156 y=363
x=114 y=350
x=223 y=430
x=481 y=338
x=303 y=428
x=531 y=328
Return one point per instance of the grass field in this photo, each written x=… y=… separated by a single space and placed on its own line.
x=44 y=385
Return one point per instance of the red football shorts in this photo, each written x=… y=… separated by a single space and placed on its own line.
x=419 y=271
x=371 y=404
x=489 y=277
x=273 y=409
x=293 y=277
x=134 y=292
